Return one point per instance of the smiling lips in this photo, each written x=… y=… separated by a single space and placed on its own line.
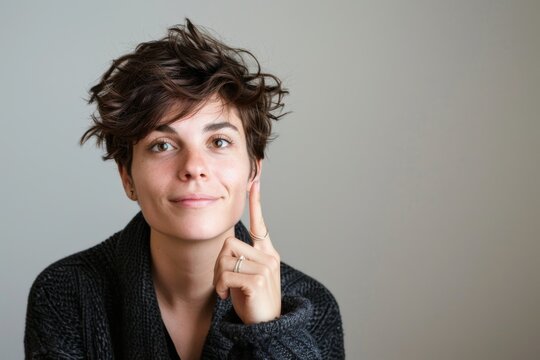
x=195 y=200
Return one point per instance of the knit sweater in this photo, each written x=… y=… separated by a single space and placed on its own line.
x=101 y=304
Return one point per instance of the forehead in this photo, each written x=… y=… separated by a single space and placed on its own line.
x=213 y=110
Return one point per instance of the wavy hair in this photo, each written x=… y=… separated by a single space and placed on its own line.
x=187 y=67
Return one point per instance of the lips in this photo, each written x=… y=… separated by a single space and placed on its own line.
x=195 y=200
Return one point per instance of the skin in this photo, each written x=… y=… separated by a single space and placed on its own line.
x=191 y=179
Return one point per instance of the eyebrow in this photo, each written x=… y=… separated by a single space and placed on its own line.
x=208 y=128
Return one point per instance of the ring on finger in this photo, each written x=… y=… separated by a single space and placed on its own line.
x=238 y=264
x=259 y=238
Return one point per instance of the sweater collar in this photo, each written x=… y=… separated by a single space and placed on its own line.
x=142 y=326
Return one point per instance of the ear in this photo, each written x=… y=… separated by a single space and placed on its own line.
x=127 y=182
x=258 y=164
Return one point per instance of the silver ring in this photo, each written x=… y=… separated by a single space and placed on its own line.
x=255 y=237
x=238 y=264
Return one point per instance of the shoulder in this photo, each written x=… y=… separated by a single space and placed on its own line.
x=91 y=267
x=325 y=322
x=296 y=283
x=59 y=300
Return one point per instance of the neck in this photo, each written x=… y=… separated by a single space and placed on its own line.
x=183 y=270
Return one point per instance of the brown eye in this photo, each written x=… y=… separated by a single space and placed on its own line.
x=221 y=143
x=162 y=146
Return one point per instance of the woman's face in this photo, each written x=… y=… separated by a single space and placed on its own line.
x=191 y=177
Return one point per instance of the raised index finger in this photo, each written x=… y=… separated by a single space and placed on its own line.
x=257 y=228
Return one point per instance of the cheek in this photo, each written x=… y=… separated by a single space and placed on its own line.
x=149 y=178
x=235 y=177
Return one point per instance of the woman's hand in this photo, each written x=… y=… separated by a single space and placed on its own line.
x=255 y=287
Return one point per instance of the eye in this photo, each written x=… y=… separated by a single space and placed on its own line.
x=162 y=146
x=220 y=142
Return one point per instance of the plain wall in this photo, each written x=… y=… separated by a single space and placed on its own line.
x=406 y=178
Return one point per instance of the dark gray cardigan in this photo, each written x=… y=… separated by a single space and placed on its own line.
x=101 y=304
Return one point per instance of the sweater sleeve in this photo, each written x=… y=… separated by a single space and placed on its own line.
x=284 y=338
x=309 y=328
x=53 y=329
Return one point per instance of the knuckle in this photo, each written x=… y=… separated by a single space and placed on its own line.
x=228 y=245
x=275 y=263
x=259 y=281
x=228 y=242
x=222 y=263
x=224 y=277
x=266 y=271
x=219 y=284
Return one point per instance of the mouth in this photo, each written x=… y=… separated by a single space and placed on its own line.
x=195 y=200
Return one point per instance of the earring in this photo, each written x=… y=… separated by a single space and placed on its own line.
x=133 y=196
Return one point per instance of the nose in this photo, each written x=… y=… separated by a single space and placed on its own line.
x=194 y=167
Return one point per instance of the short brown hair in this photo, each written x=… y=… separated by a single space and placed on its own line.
x=186 y=67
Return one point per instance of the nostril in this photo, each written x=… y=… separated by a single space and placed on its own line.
x=192 y=176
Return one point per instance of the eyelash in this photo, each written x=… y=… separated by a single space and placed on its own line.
x=157 y=143
x=216 y=138
x=213 y=140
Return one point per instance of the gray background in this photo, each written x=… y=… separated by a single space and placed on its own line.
x=406 y=179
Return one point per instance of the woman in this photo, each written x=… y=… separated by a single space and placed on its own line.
x=187 y=124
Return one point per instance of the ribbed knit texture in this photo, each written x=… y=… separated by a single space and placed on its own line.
x=101 y=304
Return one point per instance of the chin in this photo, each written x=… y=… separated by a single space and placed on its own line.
x=195 y=225
x=198 y=229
